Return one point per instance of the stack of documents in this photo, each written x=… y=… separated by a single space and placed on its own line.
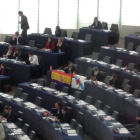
x=23 y=137
x=71 y=132
x=65 y=126
x=30 y=105
x=123 y=131
x=50 y=90
x=18 y=100
x=101 y=113
x=10 y=125
x=17 y=131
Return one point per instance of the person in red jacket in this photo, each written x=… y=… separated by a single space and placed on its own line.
x=50 y=44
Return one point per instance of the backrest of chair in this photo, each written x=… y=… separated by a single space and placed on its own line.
x=95 y=56
x=107 y=59
x=19 y=122
x=8 y=38
x=80 y=118
x=20 y=114
x=105 y=25
x=32 y=135
x=88 y=72
x=107 y=110
x=63 y=33
x=53 y=85
x=76 y=67
x=38 y=101
x=65 y=89
x=40 y=60
x=24 y=96
x=131 y=66
x=115 y=28
x=98 y=104
x=8 y=71
x=88 y=37
x=79 y=130
x=41 y=82
x=75 y=35
x=103 y=75
x=48 y=31
x=119 y=62
x=125 y=82
x=127 y=89
x=77 y=94
x=138 y=49
x=130 y=46
x=136 y=93
x=88 y=100
x=115 y=115
x=64 y=103
x=31 y=43
x=69 y=109
x=107 y=80
x=73 y=124
x=26 y=128
x=18 y=92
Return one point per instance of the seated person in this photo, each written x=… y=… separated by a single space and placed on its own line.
x=2 y=69
x=9 y=53
x=50 y=45
x=70 y=68
x=2 y=133
x=58 y=31
x=66 y=116
x=114 y=82
x=96 y=74
x=17 y=54
x=17 y=40
x=33 y=59
x=96 y=24
x=60 y=46
x=9 y=114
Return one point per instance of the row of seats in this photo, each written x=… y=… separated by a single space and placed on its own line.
x=130 y=47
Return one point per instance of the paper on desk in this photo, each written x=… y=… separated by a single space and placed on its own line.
x=49 y=89
x=34 y=84
x=118 y=90
x=107 y=118
x=123 y=131
x=72 y=131
x=100 y=112
x=27 y=46
x=11 y=125
x=81 y=40
x=116 y=123
x=23 y=137
x=91 y=107
x=62 y=94
x=17 y=131
x=133 y=52
x=72 y=135
x=70 y=97
x=18 y=100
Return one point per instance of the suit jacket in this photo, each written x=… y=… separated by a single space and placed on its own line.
x=62 y=48
x=3 y=72
x=71 y=71
x=58 y=33
x=98 y=26
x=11 y=117
x=24 y=23
x=14 y=42
x=115 y=84
x=66 y=118
x=2 y=134
x=98 y=76
x=57 y=113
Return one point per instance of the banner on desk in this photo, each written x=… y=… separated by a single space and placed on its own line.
x=61 y=77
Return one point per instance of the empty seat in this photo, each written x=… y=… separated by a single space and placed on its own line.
x=38 y=101
x=24 y=96
x=32 y=135
x=53 y=85
x=127 y=88
x=48 y=31
x=18 y=92
x=138 y=49
x=79 y=130
x=98 y=104
x=65 y=89
x=75 y=35
x=26 y=129
x=88 y=37
x=131 y=66
x=8 y=39
x=89 y=72
x=130 y=46
x=76 y=67
x=107 y=59
x=64 y=103
x=95 y=56
x=63 y=33
x=115 y=115
x=69 y=109
x=20 y=114
x=103 y=75
x=125 y=82
x=1 y=106
x=136 y=93
x=41 y=82
x=107 y=110
x=31 y=43
x=88 y=100
x=19 y=122
x=80 y=118
x=107 y=80
x=73 y=124
x=119 y=62
x=77 y=94
x=104 y=25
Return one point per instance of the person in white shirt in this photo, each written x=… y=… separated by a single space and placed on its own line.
x=33 y=58
x=2 y=134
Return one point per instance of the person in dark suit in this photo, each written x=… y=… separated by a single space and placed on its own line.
x=96 y=75
x=24 y=24
x=18 y=54
x=114 y=82
x=60 y=47
x=9 y=114
x=58 y=31
x=70 y=68
x=50 y=44
x=96 y=24
x=2 y=69
x=9 y=53
x=17 y=40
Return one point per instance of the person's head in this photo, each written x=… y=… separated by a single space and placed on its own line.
x=95 y=69
x=60 y=40
x=31 y=54
x=57 y=105
x=114 y=77
x=10 y=48
x=57 y=28
x=2 y=65
x=64 y=110
x=16 y=34
x=70 y=63
x=7 y=109
x=49 y=39
x=95 y=19
x=20 y=13
x=17 y=50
